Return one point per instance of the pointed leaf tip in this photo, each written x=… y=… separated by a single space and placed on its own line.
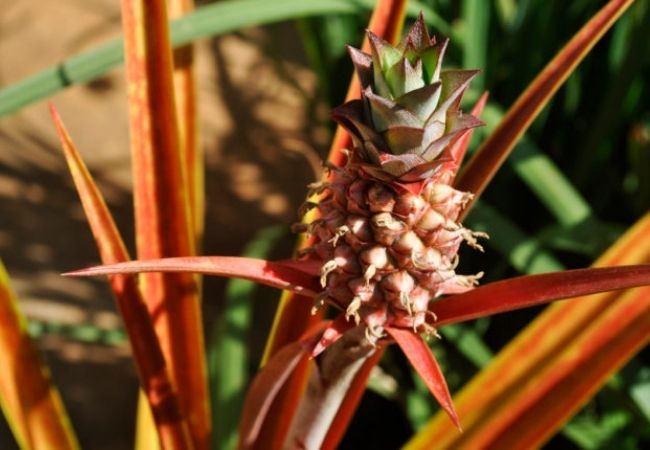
x=332 y=334
x=530 y=290
x=419 y=355
x=296 y=276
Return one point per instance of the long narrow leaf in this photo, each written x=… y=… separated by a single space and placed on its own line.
x=296 y=276
x=186 y=109
x=476 y=19
x=531 y=290
x=210 y=20
x=28 y=398
x=147 y=352
x=546 y=373
x=192 y=156
x=418 y=353
x=487 y=160
x=162 y=209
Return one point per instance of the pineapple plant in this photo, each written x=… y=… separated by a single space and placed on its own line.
x=386 y=224
x=384 y=241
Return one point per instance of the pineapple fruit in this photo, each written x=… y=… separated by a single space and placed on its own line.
x=386 y=224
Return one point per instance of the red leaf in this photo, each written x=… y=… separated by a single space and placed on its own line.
x=147 y=352
x=531 y=290
x=332 y=334
x=296 y=276
x=418 y=353
x=351 y=402
x=264 y=389
x=268 y=383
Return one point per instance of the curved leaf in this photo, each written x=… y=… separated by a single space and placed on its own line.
x=296 y=276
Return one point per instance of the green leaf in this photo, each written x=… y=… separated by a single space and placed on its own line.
x=211 y=20
x=592 y=434
x=227 y=348
x=543 y=177
x=468 y=342
x=476 y=19
x=524 y=253
x=640 y=392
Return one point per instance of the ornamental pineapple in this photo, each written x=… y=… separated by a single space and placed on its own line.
x=386 y=226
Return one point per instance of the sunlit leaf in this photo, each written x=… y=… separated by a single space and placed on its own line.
x=296 y=276
x=28 y=398
x=147 y=352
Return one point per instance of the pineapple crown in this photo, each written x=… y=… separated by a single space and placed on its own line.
x=409 y=113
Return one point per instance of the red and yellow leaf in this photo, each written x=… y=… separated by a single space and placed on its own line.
x=553 y=367
x=154 y=377
x=493 y=152
x=186 y=111
x=162 y=207
x=28 y=398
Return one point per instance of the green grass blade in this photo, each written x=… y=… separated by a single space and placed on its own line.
x=476 y=20
x=524 y=253
x=591 y=434
x=543 y=177
x=227 y=348
x=211 y=20
x=468 y=342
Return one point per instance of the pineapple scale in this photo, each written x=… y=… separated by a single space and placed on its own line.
x=387 y=253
